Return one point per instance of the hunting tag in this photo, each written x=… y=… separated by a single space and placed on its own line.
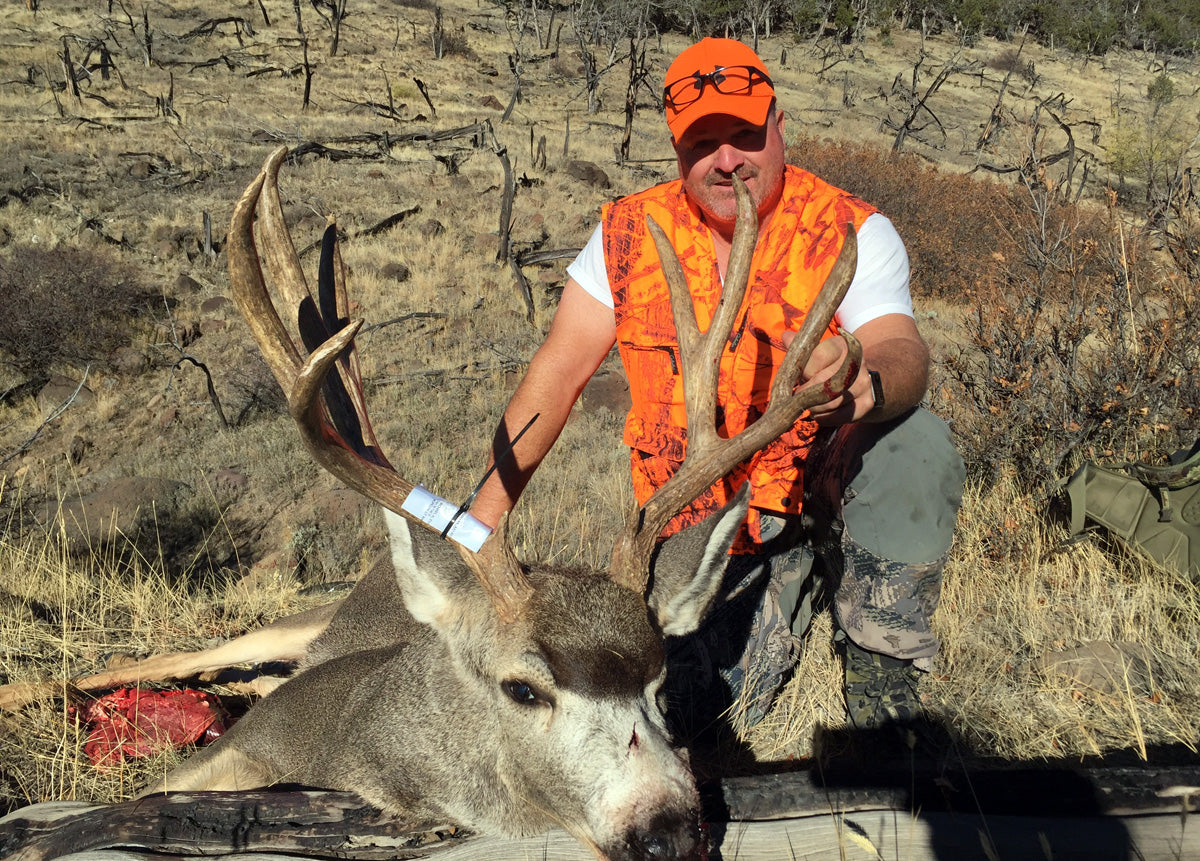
x=436 y=512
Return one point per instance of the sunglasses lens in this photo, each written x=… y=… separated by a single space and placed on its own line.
x=681 y=93
x=731 y=81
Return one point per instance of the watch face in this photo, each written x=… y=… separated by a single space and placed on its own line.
x=876 y=388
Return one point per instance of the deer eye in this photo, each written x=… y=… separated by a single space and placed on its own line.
x=519 y=692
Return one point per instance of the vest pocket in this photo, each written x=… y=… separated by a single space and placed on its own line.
x=655 y=384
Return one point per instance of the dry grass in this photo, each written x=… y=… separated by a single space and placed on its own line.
x=1016 y=590
x=90 y=174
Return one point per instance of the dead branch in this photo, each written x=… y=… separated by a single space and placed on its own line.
x=224 y=60
x=46 y=422
x=338 y=8
x=638 y=72
x=919 y=105
x=387 y=111
x=69 y=72
x=533 y=258
x=213 y=25
x=389 y=222
x=379 y=227
x=425 y=94
x=522 y=287
x=147 y=38
x=404 y=318
x=995 y=118
x=308 y=76
x=283 y=73
x=514 y=65
x=439 y=35
x=321 y=151
x=212 y=391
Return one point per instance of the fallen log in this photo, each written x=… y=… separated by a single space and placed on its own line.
x=1093 y=814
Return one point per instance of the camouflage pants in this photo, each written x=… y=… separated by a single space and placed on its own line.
x=880 y=505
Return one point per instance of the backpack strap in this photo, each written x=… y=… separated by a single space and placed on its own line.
x=1156 y=508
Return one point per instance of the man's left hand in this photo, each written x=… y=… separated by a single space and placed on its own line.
x=825 y=361
x=891 y=345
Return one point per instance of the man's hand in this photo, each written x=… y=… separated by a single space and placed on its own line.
x=854 y=403
x=893 y=347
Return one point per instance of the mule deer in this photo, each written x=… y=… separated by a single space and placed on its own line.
x=454 y=681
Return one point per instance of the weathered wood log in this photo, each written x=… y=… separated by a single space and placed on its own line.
x=1094 y=814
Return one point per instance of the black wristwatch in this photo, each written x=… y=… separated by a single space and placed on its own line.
x=876 y=391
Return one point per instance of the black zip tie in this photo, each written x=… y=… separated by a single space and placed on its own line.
x=462 y=509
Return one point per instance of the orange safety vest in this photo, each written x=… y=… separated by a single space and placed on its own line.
x=791 y=261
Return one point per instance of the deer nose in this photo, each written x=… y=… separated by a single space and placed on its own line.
x=680 y=840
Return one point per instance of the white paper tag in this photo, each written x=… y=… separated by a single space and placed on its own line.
x=436 y=512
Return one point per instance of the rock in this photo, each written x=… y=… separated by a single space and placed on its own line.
x=128 y=360
x=186 y=284
x=180 y=334
x=125 y=507
x=490 y=101
x=227 y=484
x=486 y=243
x=77 y=449
x=607 y=390
x=142 y=170
x=56 y=393
x=588 y=172
x=397 y=272
x=1103 y=667
x=431 y=228
x=216 y=305
x=338 y=505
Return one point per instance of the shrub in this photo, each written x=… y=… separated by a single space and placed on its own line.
x=64 y=305
x=1072 y=344
x=1083 y=352
x=1161 y=91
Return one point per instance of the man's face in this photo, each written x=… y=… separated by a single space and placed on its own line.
x=715 y=148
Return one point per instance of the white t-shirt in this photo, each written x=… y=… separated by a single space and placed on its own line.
x=880 y=284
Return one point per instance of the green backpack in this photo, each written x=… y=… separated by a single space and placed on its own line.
x=1156 y=508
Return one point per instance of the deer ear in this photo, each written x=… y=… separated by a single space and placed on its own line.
x=428 y=571
x=689 y=566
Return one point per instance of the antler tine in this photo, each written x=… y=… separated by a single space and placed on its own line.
x=708 y=456
x=329 y=430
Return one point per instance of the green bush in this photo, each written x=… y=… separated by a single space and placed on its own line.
x=1161 y=91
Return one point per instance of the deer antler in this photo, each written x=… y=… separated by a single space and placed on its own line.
x=330 y=409
x=709 y=457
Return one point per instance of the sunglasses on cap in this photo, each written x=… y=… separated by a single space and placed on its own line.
x=730 y=80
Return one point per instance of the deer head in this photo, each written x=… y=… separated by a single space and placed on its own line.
x=457 y=681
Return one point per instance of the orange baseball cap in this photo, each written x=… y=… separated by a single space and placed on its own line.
x=694 y=90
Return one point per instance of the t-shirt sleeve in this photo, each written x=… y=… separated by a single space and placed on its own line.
x=879 y=287
x=880 y=284
x=589 y=271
